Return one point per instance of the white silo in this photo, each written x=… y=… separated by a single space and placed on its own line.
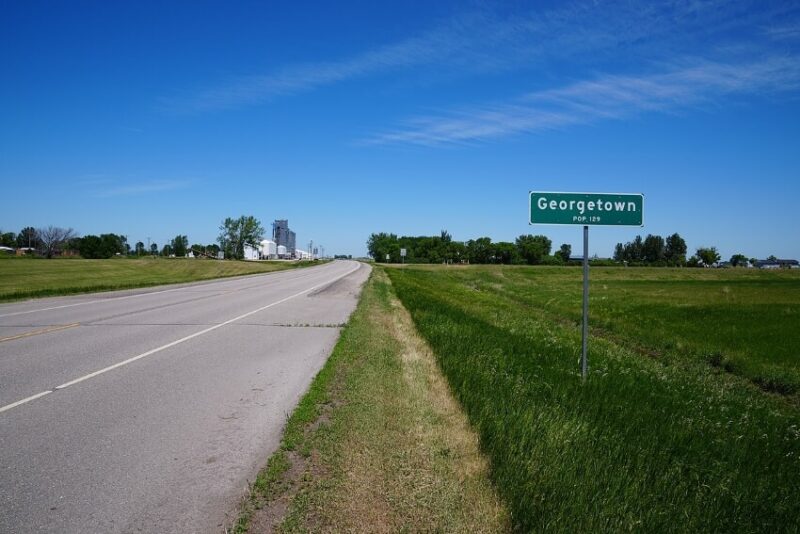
x=268 y=249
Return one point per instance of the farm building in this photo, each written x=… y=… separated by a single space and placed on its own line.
x=777 y=264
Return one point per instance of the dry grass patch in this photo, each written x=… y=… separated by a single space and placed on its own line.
x=394 y=452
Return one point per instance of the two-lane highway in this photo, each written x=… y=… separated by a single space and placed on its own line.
x=149 y=410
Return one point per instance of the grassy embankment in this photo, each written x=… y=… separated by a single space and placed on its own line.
x=673 y=430
x=378 y=443
x=22 y=278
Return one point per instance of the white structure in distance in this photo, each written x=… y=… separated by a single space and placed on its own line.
x=268 y=250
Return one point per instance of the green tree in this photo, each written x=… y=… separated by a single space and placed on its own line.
x=619 y=252
x=381 y=244
x=708 y=255
x=739 y=259
x=533 y=247
x=103 y=246
x=154 y=249
x=180 y=245
x=480 y=250
x=140 y=248
x=456 y=251
x=675 y=249
x=506 y=253
x=166 y=251
x=234 y=233
x=28 y=238
x=8 y=239
x=653 y=249
x=565 y=252
x=634 y=250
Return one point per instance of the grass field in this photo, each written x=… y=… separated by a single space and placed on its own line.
x=37 y=277
x=673 y=431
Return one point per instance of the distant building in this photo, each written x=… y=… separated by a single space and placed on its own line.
x=250 y=252
x=777 y=264
x=282 y=235
x=268 y=250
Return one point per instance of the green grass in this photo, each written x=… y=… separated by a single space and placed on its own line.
x=657 y=439
x=37 y=277
x=746 y=321
x=377 y=443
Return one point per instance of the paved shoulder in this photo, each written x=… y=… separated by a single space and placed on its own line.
x=171 y=400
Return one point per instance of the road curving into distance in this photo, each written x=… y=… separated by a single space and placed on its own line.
x=149 y=410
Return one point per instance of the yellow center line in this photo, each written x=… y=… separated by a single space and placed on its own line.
x=40 y=331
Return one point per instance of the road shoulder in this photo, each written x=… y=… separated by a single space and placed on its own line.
x=378 y=443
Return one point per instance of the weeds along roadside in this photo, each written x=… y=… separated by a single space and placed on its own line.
x=643 y=445
x=378 y=443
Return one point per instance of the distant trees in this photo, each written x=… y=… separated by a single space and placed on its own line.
x=739 y=259
x=28 y=238
x=234 y=233
x=154 y=249
x=180 y=245
x=139 y=249
x=384 y=247
x=166 y=251
x=675 y=250
x=564 y=252
x=533 y=248
x=8 y=239
x=442 y=249
x=480 y=250
x=652 y=250
x=102 y=246
x=52 y=238
x=708 y=255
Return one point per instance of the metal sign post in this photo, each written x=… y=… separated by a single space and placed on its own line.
x=585 y=328
x=402 y=255
x=597 y=209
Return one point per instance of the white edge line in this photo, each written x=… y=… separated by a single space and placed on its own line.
x=23 y=401
x=173 y=343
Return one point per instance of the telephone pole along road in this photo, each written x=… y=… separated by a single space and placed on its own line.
x=150 y=410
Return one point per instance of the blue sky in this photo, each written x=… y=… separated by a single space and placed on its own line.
x=150 y=119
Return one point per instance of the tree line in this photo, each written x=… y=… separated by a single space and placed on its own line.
x=55 y=241
x=526 y=249
x=651 y=250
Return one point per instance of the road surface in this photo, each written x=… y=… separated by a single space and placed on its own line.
x=150 y=410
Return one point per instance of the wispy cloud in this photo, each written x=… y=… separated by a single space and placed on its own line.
x=486 y=41
x=784 y=31
x=602 y=98
x=141 y=188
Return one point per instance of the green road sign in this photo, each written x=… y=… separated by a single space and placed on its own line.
x=593 y=209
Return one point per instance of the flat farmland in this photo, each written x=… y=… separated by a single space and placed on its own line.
x=744 y=321
x=689 y=420
x=37 y=277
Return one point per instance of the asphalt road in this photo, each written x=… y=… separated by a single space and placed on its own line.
x=150 y=410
